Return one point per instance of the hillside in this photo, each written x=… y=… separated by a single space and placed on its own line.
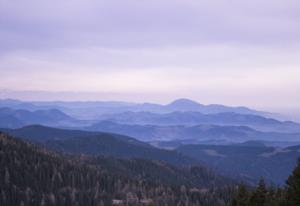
x=39 y=133
x=35 y=176
x=109 y=146
x=249 y=161
x=97 y=143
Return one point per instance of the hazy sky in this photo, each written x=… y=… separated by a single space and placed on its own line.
x=232 y=52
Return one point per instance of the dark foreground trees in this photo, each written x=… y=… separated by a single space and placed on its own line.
x=263 y=196
x=293 y=187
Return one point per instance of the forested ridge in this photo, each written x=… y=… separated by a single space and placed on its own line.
x=97 y=143
x=31 y=175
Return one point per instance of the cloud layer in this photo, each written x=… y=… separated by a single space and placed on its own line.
x=226 y=51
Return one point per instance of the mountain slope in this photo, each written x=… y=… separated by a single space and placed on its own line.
x=35 y=176
x=97 y=143
x=252 y=162
x=39 y=133
x=109 y=146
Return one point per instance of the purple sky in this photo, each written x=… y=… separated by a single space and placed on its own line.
x=230 y=52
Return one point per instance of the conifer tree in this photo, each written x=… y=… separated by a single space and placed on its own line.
x=293 y=186
x=241 y=198
x=258 y=197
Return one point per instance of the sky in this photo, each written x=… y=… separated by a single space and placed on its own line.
x=219 y=51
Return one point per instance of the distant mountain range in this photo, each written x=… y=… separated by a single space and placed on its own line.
x=180 y=125
x=196 y=118
x=14 y=118
x=193 y=134
x=92 y=110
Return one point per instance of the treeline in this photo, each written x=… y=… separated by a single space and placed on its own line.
x=289 y=195
x=33 y=176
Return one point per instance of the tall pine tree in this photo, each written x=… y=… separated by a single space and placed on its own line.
x=242 y=196
x=293 y=186
x=258 y=197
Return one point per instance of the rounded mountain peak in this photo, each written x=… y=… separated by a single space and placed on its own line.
x=184 y=104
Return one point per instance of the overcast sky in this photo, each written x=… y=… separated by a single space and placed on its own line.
x=231 y=52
